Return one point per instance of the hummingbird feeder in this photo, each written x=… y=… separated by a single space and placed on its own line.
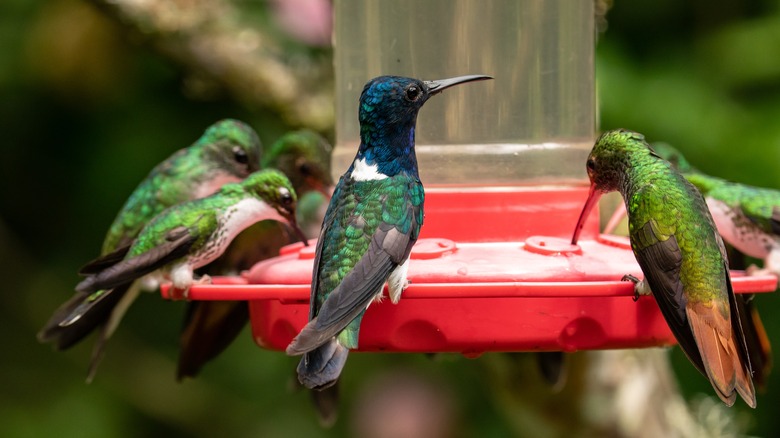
x=503 y=163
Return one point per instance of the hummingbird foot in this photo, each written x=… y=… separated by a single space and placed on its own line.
x=397 y=282
x=177 y=292
x=640 y=287
x=754 y=270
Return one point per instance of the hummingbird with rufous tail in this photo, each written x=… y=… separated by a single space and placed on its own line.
x=681 y=254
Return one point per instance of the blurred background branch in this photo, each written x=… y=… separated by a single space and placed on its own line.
x=217 y=48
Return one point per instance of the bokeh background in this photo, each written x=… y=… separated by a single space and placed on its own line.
x=92 y=97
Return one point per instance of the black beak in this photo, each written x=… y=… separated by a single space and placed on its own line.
x=290 y=216
x=435 y=87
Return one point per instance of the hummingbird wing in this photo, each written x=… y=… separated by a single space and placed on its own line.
x=661 y=261
x=174 y=244
x=387 y=245
x=105 y=260
x=706 y=325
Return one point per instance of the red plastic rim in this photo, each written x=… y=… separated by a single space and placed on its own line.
x=494 y=270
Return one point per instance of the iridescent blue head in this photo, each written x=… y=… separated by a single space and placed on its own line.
x=388 y=115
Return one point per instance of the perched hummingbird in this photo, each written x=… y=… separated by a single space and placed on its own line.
x=210 y=326
x=372 y=222
x=304 y=156
x=190 y=235
x=228 y=151
x=748 y=219
x=681 y=255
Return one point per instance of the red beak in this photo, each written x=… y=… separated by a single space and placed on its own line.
x=593 y=198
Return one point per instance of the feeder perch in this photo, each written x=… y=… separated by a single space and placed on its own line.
x=503 y=166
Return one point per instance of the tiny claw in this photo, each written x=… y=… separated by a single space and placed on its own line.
x=205 y=279
x=631 y=278
x=754 y=270
x=640 y=287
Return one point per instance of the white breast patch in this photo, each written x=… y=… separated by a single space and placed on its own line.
x=362 y=171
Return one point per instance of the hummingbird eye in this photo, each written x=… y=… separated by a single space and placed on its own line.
x=304 y=168
x=240 y=155
x=591 y=164
x=285 y=197
x=413 y=92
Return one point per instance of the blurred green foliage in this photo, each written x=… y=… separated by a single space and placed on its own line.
x=85 y=111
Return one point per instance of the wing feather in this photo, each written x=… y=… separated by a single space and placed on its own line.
x=176 y=245
x=105 y=260
x=661 y=262
x=389 y=247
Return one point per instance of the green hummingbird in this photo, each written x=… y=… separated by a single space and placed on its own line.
x=210 y=326
x=372 y=222
x=682 y=256
x=748 y=219
x=190 y=235
x=228 y=151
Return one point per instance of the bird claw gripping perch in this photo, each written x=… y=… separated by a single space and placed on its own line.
x=640 y=287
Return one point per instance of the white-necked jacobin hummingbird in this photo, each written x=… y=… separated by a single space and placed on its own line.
x=371 y=224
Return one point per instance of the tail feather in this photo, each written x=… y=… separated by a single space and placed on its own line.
x=309 y=339
x=112 y=322
x=64 y=336
x=210 y=327
x=98 y=351
x=759 y=349
x=553 y=367
x=321 y=367
x=727 y=371
x=326 y=402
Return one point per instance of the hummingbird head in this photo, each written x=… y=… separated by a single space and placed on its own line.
x=304 y=156
x=231 y=146
x=275 y=190
x=612 y=158
x=388 y=115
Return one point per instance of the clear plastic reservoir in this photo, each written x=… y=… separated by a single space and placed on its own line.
x=534 y=124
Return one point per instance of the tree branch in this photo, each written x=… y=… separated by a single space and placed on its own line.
x=207 y=38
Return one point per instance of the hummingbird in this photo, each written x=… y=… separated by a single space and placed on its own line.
x=190 y=235
x=210 y=326
x=370 y=226
x=748 y=219
x=228 y=151
x=682 y=256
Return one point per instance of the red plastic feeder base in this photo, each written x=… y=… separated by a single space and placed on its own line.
x=492 y=271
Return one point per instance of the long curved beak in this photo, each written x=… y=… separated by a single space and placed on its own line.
x=293 y=223
x=435 y=87
x=593 y=199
